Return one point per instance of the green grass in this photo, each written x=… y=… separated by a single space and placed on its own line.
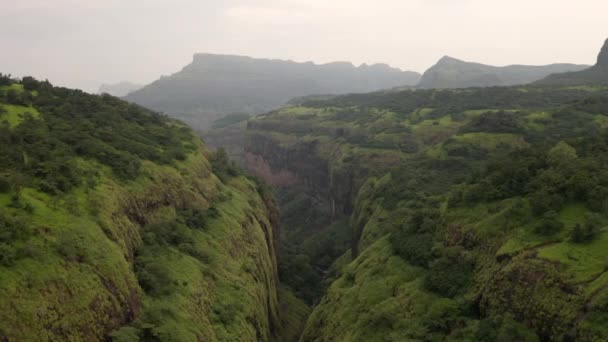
x=444 y=121
x=588 y=88
x=296 y=111
x=524 y=237
x=77 y=284
x=15 y=86
x=420 y=114
x=490 y=141
x=534 y=121
x=572 y=214
x=477 y=112
x=486 y=141
x=583 y=262
x=13 y=115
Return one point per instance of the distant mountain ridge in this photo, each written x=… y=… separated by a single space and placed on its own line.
x=119 y=89
x=595 y=75
x=213 y=85
x=454 y=73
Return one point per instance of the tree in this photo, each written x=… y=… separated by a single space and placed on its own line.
x=561 y=153
x=222 y=166
x=415 y=248
x=588 y=231
x=544 y=201
x=30 y=83
x=12 y=97
x=450 y=274
x=549 y=225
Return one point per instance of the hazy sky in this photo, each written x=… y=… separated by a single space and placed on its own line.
x=82 y=43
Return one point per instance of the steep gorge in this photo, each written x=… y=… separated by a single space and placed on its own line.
x=431 y=255
x=468 y=214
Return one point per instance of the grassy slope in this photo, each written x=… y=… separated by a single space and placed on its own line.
x=381 y=297
x=14 y=115
x=74 y=278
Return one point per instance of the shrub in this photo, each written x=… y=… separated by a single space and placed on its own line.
x=503 y=330
x=487 y=331
x=72 y=247
x=153 y=278
x=222 y=166
x=227 y=312
x=167 y=233
x=12 y=228
x=544 y=201
x=415 y=248
x=549 y=224
x=449 y=275
x=493 y=122
x=511 y=330
x=194 y=218
x=442 y=316
x=126 y=334
x=5 y=185
x=588 y=231
x=8 y=255
x=5 y=79
x=30 y=83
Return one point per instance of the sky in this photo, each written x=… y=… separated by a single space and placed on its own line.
x=84 y=43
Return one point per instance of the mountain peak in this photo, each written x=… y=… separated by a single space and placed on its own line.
x=602 y=58
x=448 y=59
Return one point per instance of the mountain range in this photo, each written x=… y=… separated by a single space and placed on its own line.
x=453 y=73
x=119 y=89
x=213 y=85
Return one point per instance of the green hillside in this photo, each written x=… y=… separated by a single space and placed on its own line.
x=117 y=224
x=471 y=215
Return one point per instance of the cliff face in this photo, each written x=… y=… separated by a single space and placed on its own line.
x=215 y=85
x=238 y=248
x=302 y=164
x=602 y=58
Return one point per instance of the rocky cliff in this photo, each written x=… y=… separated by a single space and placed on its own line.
x=602 y=58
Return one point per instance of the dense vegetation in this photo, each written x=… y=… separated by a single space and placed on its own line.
x=76 y=125
x=475 y=214
x=472 y=214
x=117 y=224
